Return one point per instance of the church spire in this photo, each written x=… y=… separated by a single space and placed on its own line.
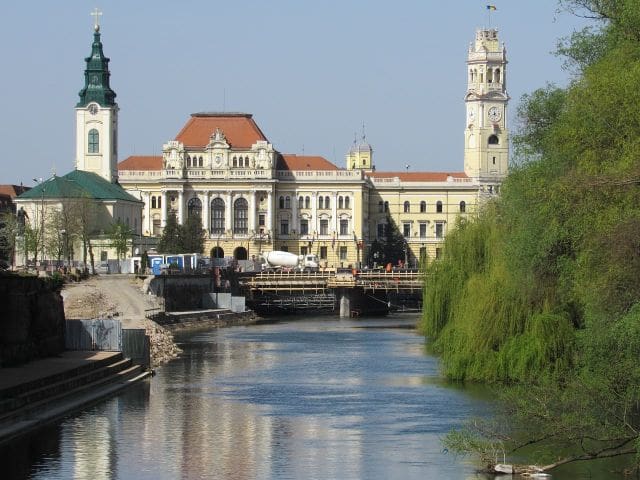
x=96 y=75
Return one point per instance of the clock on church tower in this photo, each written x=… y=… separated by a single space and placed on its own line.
x=97 y=115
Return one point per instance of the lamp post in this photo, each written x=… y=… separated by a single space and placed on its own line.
x=41 y=182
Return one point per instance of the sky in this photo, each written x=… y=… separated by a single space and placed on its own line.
x=312 y=73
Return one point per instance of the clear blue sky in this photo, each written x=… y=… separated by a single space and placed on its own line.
x=311 y=73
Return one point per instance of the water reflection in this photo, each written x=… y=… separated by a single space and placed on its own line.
x=303 y=399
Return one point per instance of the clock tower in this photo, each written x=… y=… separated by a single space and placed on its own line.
x=97 y=116
x=486 y=137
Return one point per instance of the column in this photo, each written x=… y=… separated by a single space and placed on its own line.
x=146 y=225
x=269 y=223
x=227 y=211
x=315 y=226
x=206 y=214
x=180 y=207
x=294 y=213
x=163 y=221
x=334 y=213
x=252 y=211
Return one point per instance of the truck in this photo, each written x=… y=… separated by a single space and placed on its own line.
x=287 y=261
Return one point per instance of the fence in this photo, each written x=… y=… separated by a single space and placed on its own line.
x=99 y=334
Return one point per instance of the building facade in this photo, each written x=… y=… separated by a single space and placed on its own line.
x=252 y=198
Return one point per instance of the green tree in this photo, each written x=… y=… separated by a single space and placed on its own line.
x=192 y=235
x=170 y=241
x=120 y=236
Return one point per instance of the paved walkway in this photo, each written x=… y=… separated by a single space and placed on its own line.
x=38 y=369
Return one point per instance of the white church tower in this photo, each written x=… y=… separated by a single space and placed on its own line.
x=486 y=143
x=97 y=116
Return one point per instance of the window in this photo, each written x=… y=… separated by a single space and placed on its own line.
x=406 y=229
x=346 y=202
x=494 y=140
x=463 y=207
x=439 y=206
x=343 y=253
x=340 y=202
x=304 y=227
x=304 y=250
x=494 y=160
x=324 y=227
x=423 y=230
x=386 y=207
x=188 y=161
x=381 y=230
x=438 y=253
x=323 y=253
x=407 y=207
x=423 y=206
x=217 y=216
x=439 y=229
x=284 y=227
x=307 y=202
x=321 y=202
x=327 y=204
x=94 y=141
x=235 y=161
x=153 y=202
x=281 y=202
x=344 y=227
x=241 y=216
x=103 y=256
x=287 y=202
x=301 y=203
x=159 y=202
x=497 y=79
x=194 y=207
x=261 y=220
x=380 y=206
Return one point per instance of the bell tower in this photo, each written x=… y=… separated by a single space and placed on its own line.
x=360 y=155
x=97 y=115
x=486 y=136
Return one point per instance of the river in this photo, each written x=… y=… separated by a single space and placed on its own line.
x=314 y=398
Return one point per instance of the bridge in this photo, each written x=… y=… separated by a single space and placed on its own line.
x=355 y=291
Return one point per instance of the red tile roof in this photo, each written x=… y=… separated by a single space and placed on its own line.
x=240 y=130
x=141 y=162
x=418 y=176
x=13 y=190
x=304 y=162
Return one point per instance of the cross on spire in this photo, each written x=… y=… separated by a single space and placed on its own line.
x=97 y=14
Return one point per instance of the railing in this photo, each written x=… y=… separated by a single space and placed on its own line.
x=320 y=175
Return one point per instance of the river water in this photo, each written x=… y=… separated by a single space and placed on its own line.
x=314 y=398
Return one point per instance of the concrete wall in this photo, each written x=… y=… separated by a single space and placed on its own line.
x=32 y=319
x=182 y=292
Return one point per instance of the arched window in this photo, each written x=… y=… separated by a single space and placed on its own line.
x=463 y=206
x=159 y=202
x=470 y=76
x=307 y=202
x=300 y=203
x=423 y=206
x=327 y=204
x=494 y=140
x=217 y=216
x=380 y=206
x=153 y=202
x=287 y=202
x=481 y=77
x=246 y=162
x=241 y=216
x=346 y=202
x=340 y=202
x=188 y=161
x=321 y=202
x=235 y=161
x=497 y=75
x=200 y=161
x=386 y=207
x=489 y=75
x=281 y=202
x=439 y=206
x=194 y=207
x=94 y=141
x=407 y=207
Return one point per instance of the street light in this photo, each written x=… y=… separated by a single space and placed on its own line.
x=40 y=182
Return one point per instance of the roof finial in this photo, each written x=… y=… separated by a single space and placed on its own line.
x=97 y=14
x=364 y=136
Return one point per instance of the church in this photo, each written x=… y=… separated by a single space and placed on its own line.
x=253 y=198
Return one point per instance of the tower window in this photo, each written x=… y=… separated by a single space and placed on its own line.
x=494 y=160
x=497 y=74
x=494 y=140
x=94 y=141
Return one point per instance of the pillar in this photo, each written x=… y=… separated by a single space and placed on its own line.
x=269 y=220
x=315 y=226
x=147 y=224
x=252 y=211
x=163 y=210
x=206 y=213
x=345 y=303
x=227 y=211
x=180 y=207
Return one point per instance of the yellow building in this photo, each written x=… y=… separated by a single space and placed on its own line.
x=253 y=198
